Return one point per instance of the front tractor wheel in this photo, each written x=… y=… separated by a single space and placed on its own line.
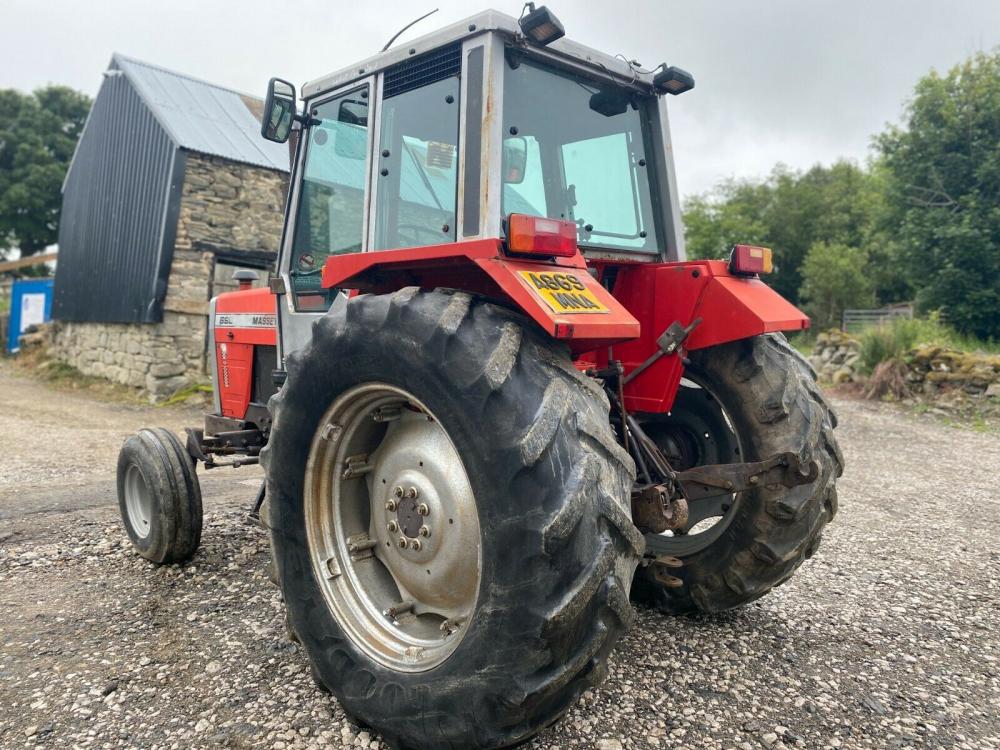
x=450 y=519
x=159 y=497
x=742 y=402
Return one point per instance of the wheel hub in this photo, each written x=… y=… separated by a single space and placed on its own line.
x=410 y=515
x=393 y=527
x=138 y=501
x=427 y=534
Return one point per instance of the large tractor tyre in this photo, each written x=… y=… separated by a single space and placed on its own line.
x=159 y=496
x=743 y=401
x=449 y=515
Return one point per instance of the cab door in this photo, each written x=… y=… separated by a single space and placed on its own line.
x=328 y=211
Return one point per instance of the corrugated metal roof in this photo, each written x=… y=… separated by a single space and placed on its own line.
x=200 y=116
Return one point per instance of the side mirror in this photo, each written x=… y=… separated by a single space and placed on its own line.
x=279 y=111
x=515 y=160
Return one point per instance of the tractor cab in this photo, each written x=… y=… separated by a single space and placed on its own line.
x=441 y=140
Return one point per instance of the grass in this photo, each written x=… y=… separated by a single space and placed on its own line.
x=185 y=393
x=893 y=339
x=803 y=341
x=64 y=377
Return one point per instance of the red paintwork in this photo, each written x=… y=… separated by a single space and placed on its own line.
x=247 y=314
x=647 y=298
x=480 y=266
x=657 y=294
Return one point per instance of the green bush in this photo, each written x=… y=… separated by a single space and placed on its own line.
x=893 y=339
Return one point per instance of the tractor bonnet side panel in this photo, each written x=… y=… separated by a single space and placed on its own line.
x=244 y=335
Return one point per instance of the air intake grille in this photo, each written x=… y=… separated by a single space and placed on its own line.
x=434 y=66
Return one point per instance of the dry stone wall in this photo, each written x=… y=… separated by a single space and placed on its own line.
x=836 y=357
x=934 y=369
x=224 y=205
x=161 y=358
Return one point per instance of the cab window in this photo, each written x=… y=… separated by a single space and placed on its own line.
x=418 y=167
x=330 y=218
x=578 y=150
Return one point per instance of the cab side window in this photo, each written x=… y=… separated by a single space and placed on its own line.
x=418 y=167
x=330 y=218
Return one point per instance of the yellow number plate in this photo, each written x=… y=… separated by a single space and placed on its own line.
x=563 y=292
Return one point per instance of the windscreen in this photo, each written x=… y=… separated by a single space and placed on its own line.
x=575 y=149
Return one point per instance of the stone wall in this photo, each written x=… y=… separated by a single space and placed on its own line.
x=836 y=356
x=224 y=205
x=161 y=358
x=934 y=369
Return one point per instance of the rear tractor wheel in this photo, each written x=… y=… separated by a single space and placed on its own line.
x=740 y=402
x=159 y=497
x=450 y=521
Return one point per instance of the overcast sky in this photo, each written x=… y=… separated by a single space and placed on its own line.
x=793 y=81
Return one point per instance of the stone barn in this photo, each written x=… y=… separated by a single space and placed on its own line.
x=170 y=191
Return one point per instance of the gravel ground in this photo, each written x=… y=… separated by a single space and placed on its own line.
x=887 y=638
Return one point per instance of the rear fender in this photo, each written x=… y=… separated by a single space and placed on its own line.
x=730 y=308
x=537 y=288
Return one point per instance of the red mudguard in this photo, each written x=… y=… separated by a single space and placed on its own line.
x=559 y=295
x=563 y=296
x=658 y=294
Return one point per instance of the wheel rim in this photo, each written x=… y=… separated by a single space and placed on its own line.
x=698 y=431
x=138 y=501
x=392 y=527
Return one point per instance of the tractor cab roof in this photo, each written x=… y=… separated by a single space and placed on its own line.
x=599 y=63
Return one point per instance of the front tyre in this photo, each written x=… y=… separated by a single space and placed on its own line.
x=449 y=516
x=743 y=401
x=159 y=497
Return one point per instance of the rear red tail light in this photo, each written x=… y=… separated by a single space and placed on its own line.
x=748 y=260
x=536 y=235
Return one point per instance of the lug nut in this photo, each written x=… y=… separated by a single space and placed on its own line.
x=422 y=509
x=392 y=526
x=424 y=531
x=402 y=542
x=415 y=545
x=390 y=505
x=412 y=493
x=398 y=492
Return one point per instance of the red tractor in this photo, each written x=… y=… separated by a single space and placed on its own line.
x=493 y=400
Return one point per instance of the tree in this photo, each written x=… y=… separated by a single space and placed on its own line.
x=731 y=213
x=788 y=212
x=943 y=193
x=834 y=278
x=38 y=134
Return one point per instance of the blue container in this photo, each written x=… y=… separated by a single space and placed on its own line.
x=30 y=304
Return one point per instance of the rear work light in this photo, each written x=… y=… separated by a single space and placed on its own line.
x=536 y=235
x=747 y=260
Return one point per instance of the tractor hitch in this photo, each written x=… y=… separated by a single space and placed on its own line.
x=656 y=509
x=243 y=445
x=782 y=469
x=660 y=502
